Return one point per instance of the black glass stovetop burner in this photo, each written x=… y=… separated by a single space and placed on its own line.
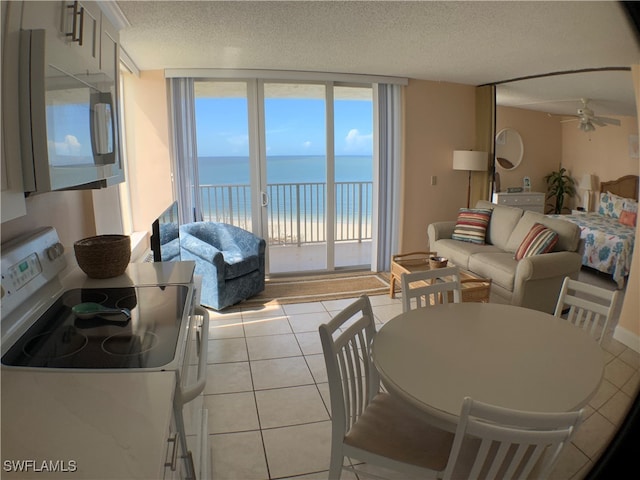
x=148 y=339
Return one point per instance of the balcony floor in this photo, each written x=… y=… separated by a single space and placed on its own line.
x=312 y=257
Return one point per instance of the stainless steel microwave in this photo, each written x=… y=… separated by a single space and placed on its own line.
x=68 y=122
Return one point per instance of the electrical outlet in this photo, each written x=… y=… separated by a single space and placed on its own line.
x=434 y=179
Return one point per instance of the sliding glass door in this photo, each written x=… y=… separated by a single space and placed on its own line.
x=223 y=169
x=291 y=162
x=353 y=145
x=318 y=153
x=295 y=159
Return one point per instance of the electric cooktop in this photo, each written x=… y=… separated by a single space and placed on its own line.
x=147 y=338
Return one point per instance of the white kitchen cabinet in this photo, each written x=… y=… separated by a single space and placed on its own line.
x=12 y=201
x=82 y=27
x=533 y=201
x=112 y=424
x=175 y=457
x=109 y=49
x=47 y=15
x=80 y=38
x=73 y=31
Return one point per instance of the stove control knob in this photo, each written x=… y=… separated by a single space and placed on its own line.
x=55 y=251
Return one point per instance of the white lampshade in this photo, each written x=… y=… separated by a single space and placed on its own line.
x=588 y=182
x=470 y=160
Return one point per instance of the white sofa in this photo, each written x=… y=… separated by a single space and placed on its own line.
x=532 y=282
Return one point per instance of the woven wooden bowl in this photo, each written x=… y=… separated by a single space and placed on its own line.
x=104 y=256
x=438 y=262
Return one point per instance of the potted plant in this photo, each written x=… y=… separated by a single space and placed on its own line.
x=559 y=184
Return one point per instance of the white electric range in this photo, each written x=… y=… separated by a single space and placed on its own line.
x=53 y=360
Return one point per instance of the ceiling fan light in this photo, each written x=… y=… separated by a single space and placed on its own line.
x=587 y=127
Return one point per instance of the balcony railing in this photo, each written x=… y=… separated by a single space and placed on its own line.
x=296 y=211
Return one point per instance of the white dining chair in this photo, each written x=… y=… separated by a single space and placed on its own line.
x=495 y=442
x=368 y=424
x=371 y=426
x=430 y=287
x=589 y=307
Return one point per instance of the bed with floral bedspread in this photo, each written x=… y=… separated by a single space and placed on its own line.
x=608 y=234
x=608 y=244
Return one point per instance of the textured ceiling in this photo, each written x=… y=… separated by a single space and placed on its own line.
x=463 y=42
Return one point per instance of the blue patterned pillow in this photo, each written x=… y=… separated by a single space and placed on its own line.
x=611 y=204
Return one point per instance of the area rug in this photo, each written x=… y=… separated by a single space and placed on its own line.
x=317 y=288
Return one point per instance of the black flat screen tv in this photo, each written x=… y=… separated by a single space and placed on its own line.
x=165 y=235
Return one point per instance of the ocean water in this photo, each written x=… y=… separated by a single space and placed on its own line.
x=296 y=212
x=284 y=169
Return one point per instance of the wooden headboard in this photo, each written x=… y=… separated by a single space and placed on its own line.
x=626 y=186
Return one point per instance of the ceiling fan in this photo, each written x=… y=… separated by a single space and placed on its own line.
x=588 y=119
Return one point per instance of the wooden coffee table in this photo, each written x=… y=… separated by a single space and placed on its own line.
x=474 y=288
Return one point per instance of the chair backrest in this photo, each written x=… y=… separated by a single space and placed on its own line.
x=495 y=442
x=430 y=287
x=353 y=380
x=589 y=307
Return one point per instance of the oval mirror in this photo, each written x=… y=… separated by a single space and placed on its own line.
x=509 y=149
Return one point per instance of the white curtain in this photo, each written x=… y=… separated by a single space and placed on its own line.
x=389 y=171
x=184 y=149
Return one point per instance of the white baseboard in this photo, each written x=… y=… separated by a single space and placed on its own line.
x=630 y=339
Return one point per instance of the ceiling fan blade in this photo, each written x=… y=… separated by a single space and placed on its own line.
x=607 y=120
x=598 y=121
x=570 y=120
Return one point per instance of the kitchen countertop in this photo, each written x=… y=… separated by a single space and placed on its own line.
x=92 y=424
x=104 y=425
x=144 y=273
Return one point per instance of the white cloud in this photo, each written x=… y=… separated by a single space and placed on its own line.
x=356 y=140
x=307 y=144
x=69 y=146
x=352 y=135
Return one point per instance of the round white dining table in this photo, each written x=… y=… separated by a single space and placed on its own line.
x=499 y=354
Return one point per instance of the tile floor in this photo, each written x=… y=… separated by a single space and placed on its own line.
x=268 y=397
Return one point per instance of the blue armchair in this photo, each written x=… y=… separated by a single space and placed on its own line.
x=229 y=259
x=169 y=242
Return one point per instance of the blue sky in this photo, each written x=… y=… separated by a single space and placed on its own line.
x=293 y=127
x=72 y=136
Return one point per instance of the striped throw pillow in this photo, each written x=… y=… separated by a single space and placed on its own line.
x=540 y=239
x=471 y=225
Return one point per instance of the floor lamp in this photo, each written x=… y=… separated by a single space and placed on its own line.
x=471 y=161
